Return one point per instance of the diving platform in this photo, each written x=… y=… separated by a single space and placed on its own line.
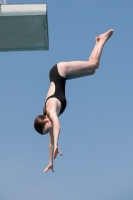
x=23 y=27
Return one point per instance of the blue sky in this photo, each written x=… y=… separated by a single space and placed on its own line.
x=97 y=129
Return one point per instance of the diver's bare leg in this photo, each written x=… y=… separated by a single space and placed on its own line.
x=77 y=67
x=100 y=41
x=79 y=75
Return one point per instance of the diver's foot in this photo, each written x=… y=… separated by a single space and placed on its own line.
x=105 y=36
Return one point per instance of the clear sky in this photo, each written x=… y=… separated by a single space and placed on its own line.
x=97 y=126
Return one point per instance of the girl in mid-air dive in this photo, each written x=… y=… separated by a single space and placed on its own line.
x=56 y=101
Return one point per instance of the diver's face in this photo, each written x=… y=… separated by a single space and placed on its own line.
x=48 y=126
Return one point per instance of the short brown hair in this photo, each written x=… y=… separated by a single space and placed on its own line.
x=39 y=123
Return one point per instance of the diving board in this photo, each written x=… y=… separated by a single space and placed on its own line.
x=23 y=27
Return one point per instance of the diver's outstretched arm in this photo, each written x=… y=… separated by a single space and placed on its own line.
x=51 y=151
x=56 y=131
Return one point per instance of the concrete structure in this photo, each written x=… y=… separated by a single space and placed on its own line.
x=23 y=27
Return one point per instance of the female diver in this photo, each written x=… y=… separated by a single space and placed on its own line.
x=55 y=100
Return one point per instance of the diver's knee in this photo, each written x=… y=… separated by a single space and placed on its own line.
x=93 y=71
x=95 y=63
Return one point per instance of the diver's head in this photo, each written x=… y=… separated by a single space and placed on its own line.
x=42 y=124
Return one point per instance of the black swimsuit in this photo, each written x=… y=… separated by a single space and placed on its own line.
x=59 y=82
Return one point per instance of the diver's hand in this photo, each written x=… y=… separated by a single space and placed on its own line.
x=50 y=166
x=56 y=151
